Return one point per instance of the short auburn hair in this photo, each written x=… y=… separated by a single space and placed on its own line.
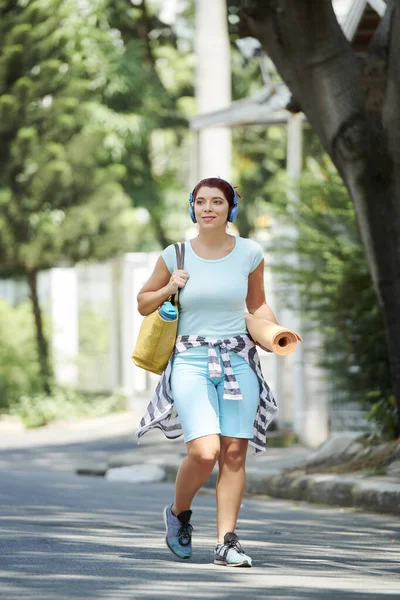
x=216 y=182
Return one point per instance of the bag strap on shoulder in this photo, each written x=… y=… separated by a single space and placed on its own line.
x=180 y=255
x=180 y=261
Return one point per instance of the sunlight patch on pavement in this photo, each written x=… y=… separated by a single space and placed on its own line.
x=136 y=473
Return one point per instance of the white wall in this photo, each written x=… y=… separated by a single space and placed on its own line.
x=64 y=319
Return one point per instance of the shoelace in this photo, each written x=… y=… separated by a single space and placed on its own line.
x=185 y=534
x=235 y=545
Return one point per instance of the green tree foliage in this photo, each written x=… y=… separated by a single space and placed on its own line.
x=60 y=148
x=259 y=155
x=80 y=113
x=259 y=152
x=61 y=195
x=152 y=76
x=335 y=287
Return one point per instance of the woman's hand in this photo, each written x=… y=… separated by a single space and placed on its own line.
x=178 y=280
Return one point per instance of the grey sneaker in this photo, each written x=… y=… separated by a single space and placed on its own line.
x=178 y=532
x=230 y=553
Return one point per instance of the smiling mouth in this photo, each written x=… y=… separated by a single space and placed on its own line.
x=208 y=218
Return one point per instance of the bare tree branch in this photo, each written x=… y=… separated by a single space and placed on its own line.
x=315 y=60
x=380 y=44
x=391 y=109
x=375 y=69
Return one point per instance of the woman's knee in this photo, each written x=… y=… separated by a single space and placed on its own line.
x=233 y=454
x=204 y=451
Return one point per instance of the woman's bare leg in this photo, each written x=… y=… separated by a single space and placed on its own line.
x=231 y=483
x=195 y=470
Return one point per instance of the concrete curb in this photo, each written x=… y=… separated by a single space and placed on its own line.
x=272 y=477
x=332 y=490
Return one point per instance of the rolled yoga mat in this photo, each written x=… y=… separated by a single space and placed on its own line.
x=278 y=339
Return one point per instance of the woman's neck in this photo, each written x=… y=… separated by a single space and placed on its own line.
x=213 y=239
x=213 y=245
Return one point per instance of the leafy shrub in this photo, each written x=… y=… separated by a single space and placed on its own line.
x=384 y=412
x=336 y=290
x=64 y=403
x=19 y=373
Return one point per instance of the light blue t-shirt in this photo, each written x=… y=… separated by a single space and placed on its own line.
x=212 y=303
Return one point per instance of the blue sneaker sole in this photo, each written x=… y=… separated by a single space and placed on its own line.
x=166 y=537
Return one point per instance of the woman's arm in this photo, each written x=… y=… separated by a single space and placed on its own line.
x=255 y=301
x=159 y=287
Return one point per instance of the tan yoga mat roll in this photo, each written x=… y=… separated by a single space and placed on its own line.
x=278 y=339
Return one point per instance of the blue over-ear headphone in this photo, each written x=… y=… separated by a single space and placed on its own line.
x=233 y=212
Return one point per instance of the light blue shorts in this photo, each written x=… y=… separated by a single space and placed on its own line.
x=199 y=399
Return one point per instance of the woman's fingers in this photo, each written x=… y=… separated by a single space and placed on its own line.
x=178 y=279
x=183 y=274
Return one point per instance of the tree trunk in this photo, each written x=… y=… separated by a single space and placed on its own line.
x=355 y=110
x=42 y=345
x=159 y=230
x=244 y=224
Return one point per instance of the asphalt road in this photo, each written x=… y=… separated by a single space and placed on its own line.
x=64 y=536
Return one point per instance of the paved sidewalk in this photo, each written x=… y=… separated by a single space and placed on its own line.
x=158 y=459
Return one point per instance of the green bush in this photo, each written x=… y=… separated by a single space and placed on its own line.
x=64 y=403
x=336 y=290
x=384 y=412
x=19 y=373
x=20 y=384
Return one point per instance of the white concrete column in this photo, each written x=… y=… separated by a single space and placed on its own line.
x=294 y=168
x=64 y=317
x=213 y=86
x=310 y=396
x=278 y=365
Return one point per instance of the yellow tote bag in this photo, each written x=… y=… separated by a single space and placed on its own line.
x=157 y=336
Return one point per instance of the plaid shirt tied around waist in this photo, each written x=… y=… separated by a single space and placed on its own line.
x=161 y=411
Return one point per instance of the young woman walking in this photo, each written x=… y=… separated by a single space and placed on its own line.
x=212 y=389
